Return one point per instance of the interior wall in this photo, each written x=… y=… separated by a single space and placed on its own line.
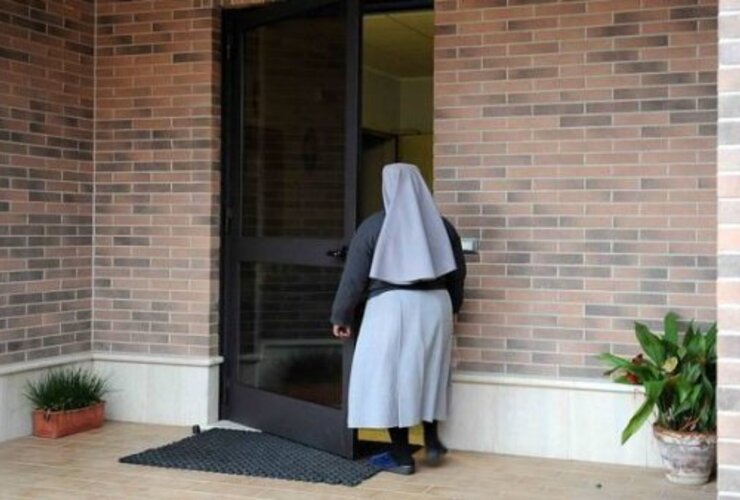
x=417 y=104
x=381 y=95
x=417 y=149
x=416 y=123
x=401 y=106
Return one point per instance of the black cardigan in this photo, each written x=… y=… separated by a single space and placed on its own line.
x=356 y=285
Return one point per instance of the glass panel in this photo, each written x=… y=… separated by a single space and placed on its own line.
x=294 y=133
x=285 y=339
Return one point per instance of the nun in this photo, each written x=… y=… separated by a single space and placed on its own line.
x=406 y=265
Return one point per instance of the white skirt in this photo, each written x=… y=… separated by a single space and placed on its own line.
x=401 y=366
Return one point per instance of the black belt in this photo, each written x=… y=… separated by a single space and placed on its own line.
x=419 y=285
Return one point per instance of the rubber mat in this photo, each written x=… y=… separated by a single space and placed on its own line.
x=254 y=454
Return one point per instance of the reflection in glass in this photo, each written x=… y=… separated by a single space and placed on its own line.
x=294 y=104
x=286 y=345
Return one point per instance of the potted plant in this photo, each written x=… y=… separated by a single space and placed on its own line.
x=67 y=401
x=679 y=373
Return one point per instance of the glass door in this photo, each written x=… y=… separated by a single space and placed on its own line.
x=290 y=158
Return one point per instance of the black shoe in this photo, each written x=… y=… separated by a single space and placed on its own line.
x=435 y=454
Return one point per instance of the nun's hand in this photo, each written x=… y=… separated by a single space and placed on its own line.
x=341 y=331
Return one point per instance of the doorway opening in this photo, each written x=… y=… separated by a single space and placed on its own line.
x=397 y=98
x=397 y=112
x=301 y=169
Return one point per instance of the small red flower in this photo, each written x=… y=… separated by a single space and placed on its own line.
x=632 y=378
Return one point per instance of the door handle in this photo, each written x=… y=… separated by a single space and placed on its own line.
x=338 y=253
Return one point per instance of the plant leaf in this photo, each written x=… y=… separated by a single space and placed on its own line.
x=614 y=360
x=638 y=419
x=623 y=380
x=650 y=344
x=695 y=346
x=654 y=388
x=689 y=334
x=670 y=327
x=642 y=371
x=683 y=389
x=679 y=372
x=653 y=391
x=695 y=395
x=711 y=339
x=66 y=389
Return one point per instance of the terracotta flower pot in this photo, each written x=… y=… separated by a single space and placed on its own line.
x=688 y=456
x=56 y=424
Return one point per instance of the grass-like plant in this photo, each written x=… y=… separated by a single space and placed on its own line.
x=66 y=389
x=679 y=374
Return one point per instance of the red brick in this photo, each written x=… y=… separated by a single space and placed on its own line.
x=593 y=159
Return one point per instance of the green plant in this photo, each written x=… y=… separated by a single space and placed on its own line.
x=679 y=373
x=66 y=389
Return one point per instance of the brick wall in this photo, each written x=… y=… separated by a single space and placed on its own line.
x=577 y=141
x=157 y=177
x=46 y=137
x=728 y=282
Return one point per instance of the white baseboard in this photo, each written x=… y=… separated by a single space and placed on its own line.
x=172 y=391
x=566 y=419
x=147 y=389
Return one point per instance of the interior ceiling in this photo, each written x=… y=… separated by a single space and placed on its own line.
x=399 y=44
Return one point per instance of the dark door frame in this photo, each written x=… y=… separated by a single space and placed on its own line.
x=231 y=118
x=380 y=6
x=320 y=426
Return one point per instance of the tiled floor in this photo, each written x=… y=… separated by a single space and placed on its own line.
x=85 y=466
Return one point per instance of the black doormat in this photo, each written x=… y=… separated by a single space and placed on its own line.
x=254 y=454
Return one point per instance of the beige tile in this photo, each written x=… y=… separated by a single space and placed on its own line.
x=86 y=466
